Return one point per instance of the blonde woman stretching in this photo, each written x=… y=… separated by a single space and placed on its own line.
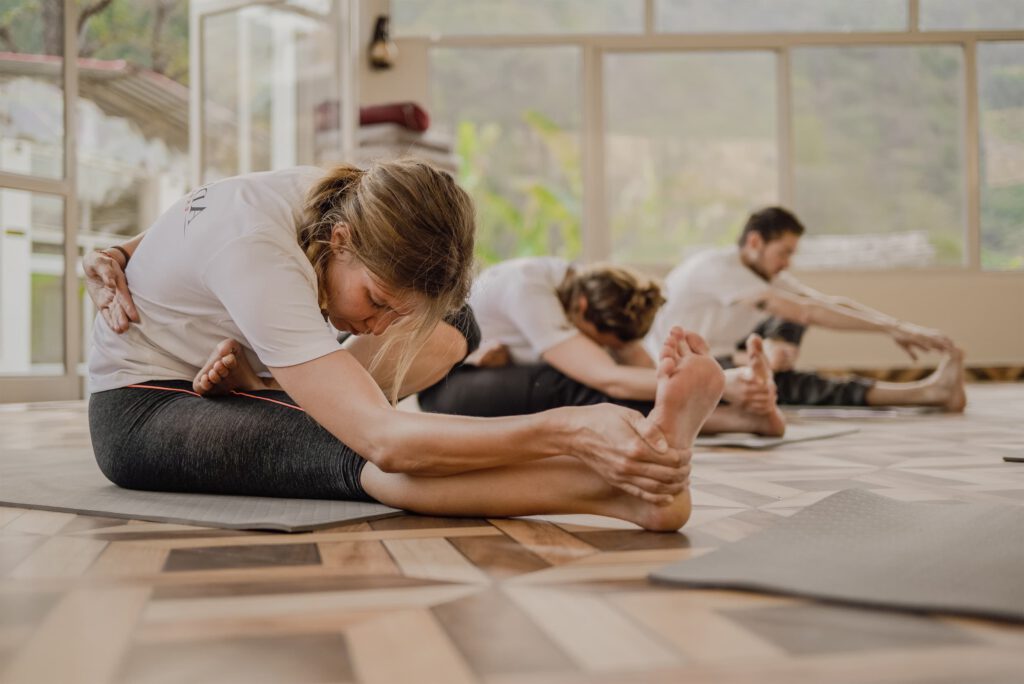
x=263 y=260
x=556 y=334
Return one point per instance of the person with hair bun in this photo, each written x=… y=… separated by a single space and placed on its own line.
x=557 y=334
x=215 y=365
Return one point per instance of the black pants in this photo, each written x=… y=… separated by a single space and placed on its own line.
x=807 y=389
x=511 y=391
x=162 y=436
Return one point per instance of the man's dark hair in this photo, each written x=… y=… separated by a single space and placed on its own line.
x=771 y=223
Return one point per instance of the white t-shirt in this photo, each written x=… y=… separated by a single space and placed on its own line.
x=222 y=262
x=516 y=303
x=712 y=294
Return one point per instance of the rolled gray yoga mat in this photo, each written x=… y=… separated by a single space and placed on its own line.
x=861 y=548
x=69 y=480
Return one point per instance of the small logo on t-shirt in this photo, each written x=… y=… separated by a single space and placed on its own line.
x=195 y=205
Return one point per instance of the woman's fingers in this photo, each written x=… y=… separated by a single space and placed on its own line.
x=651 y=434
x=633 y=490
x=124 y=297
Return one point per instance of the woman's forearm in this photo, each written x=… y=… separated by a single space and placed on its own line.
x=435 y=444
x=339 y=394
x=133 y=244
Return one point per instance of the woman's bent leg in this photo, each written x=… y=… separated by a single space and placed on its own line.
x=161 y=436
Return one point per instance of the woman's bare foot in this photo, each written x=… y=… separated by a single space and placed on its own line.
x=227 y=370
x=690 y=383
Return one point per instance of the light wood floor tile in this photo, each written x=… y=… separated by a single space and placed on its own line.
x=406 y=646
x=434 y=559
x=596 y=635
x=82 y=640
x=59 y=557
x=39 y=522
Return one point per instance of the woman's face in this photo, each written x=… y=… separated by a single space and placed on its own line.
x=357 y=302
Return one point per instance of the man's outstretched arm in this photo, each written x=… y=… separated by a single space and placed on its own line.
x=813 y=308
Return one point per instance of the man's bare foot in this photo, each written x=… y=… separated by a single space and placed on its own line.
x=227 y=370
x=781 y=355
x=949 y=382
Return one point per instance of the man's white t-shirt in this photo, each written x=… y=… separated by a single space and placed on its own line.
x=223 y=262
x=516 y=303
x=713 y=294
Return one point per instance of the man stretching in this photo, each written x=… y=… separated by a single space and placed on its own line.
x=725 y=294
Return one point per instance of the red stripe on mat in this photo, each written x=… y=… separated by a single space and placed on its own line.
x=239 y=394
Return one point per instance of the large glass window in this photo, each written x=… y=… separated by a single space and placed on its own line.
x=972 y=14
x=878 y=135
x=501 y=17
x=514 y=117
x=31 y=283
x=132 y=119
x=259 y=64
x=1001 y=93
x=768 y=16
x=690 y=149
x=31 y=88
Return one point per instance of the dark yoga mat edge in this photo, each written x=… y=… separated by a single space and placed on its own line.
x=929 y=563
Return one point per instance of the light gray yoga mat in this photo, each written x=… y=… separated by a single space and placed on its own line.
x=69 y=480
x=794 y=433
x=860 y=411
x=861 y=548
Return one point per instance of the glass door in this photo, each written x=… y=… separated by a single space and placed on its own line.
x=267 y=84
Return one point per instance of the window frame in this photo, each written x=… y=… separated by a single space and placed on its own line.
x=69 y=384
x=596 y=236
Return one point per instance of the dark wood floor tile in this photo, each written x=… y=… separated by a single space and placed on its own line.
x=814 y=629
x=244 y=556
x=496 y=637
x=635 y=540
x=500 y=556
x=298 y=659
x=424 y=522
x=291 y=586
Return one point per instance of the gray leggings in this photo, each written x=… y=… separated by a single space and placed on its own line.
x=162 y=436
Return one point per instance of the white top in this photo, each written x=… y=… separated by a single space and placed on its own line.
x=516 y=303
x=713 y=293
x=221 y=262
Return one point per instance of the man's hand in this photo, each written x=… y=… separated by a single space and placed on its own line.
x=492 y=354
x=108 y=290
x=915 y=338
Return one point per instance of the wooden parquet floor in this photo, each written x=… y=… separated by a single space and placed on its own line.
x=546 y=601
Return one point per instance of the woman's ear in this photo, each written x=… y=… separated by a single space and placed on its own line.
x=340 y=235
x=582 y=304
